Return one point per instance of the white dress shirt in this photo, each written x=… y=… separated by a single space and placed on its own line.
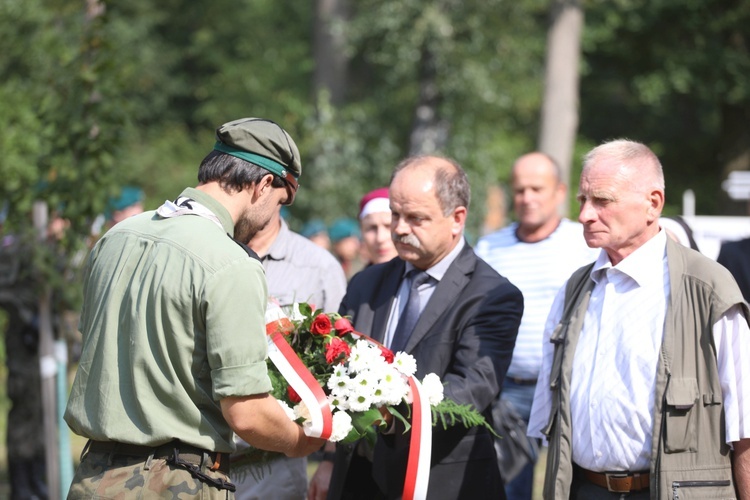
x=615 y=363
x=436 y=272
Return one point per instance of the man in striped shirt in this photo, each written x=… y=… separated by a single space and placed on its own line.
x=537 y=254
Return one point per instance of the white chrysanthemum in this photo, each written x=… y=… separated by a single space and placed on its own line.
x=432 y=388
x=405 y=363
x=394 y=387
x=340 y=370
x=339 y=381
x=341 y=426
x=338 y=401
x=361 y=390
x=364 y=356
x=360 y=402
x=289 y=412
x=379 y=394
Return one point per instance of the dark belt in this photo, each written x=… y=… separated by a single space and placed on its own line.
x=522 y=381
x=616 y=482
x=175 y=452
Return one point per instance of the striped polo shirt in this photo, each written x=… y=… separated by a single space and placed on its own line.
x=538 y=270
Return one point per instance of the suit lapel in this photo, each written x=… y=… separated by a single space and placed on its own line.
x=386 y=296
x=455 y=279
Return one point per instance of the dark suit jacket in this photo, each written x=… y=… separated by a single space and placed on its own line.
x=735 y=256
x=465 y=335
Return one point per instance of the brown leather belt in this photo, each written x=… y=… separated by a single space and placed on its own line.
x=218 y=461
x=617 y=482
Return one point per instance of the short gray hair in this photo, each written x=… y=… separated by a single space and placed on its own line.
x=631 y=154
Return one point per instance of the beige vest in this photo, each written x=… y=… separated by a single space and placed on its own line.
x=689 y=456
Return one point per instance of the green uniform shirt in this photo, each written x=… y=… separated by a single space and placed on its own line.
x=172 y=322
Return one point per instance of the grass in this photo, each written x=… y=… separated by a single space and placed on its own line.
x=539 y=472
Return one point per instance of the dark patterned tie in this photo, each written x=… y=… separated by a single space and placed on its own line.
x=410 y=315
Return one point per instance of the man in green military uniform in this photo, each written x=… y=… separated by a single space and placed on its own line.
x=174 y=346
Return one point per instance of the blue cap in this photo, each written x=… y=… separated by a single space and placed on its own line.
x=313 y=227
x=343 y=228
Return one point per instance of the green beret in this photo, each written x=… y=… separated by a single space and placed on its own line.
x=261 y=142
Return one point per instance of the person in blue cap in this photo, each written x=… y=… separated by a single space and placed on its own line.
x=316 y=231
x=344 y=234
x=130 y=202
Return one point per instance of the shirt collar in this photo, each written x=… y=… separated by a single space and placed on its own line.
x=279 y=249
x=213 y=205
x=438 y=270
x=644 y=265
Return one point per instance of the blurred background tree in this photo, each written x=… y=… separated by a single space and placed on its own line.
x=133 y=96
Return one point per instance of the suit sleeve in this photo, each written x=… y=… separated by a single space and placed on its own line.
x=484 y=345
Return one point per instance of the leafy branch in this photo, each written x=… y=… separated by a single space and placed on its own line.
x=449 y=413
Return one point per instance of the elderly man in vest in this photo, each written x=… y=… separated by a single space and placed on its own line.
x=645 y=385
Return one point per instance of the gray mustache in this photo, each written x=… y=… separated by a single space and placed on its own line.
x=407 y=239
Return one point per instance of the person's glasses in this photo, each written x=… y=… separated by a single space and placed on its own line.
x=291 y=185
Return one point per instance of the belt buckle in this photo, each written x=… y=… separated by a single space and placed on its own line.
x=625 y=485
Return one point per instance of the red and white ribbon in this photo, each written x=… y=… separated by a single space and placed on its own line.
x=420 y=445
x=420 y=442
x=307 y=387
x=296 y=373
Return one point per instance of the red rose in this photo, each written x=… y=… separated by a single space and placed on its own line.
x=321 y=325
x=335 y=349
x=293 y=396
x=343 y=326
x=386 y=353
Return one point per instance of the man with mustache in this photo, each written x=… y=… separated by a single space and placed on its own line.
x=442 y=304
x=174 y=343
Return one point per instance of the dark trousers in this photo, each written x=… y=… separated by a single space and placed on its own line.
x=360 y=484
x=27 y=479
x=521 y=397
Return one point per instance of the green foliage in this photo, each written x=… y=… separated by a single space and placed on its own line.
x=671 y=72
x=92 y=104
x=450 y=413
x=61 y=115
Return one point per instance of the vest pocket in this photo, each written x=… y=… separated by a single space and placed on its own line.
x=680 y=415
x=687 y=490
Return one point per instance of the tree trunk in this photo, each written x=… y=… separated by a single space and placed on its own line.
x=47 y=367
x=559 y=120
x=429 y=133
x=329 y=47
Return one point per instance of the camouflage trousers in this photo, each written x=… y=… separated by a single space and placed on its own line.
x=104 y=476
